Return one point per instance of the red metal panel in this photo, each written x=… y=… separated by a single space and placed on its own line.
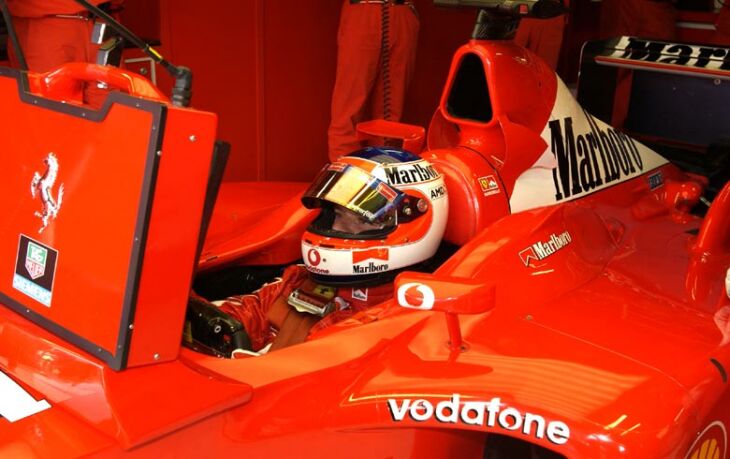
x=97 y=230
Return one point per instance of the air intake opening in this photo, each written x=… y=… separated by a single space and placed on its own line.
x=469 y=94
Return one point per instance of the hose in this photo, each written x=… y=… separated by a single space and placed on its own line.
x=385 y=57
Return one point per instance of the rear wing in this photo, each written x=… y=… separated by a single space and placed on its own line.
x=672 y=96
x=671 y=91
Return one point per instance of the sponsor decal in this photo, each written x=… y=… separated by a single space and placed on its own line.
x=325 y=291
x=703 y=57
x=360 y=256
x=387 y=192
x=591 y=159
x=369 y=268
x=412 y=173
x=313 y=257
x=15 y=402
x=360 y=294
x=35 y=260
x=437 y=192
x=379 y=253
x=711 y=443
x=492 y=414
x=35 y=270
x=543 y=249
x=656 y=180
x=489 y=185
x=42 y=186
x=422 y=293
x=337 y=167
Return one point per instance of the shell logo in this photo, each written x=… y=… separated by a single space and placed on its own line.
x=711 y=444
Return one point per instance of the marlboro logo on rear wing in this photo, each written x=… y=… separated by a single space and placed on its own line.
x=635 y=53
x=659 y=92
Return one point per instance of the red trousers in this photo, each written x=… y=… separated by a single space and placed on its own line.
x=48 y=41
x=543 y=37
x=360 y=90
x=639 y=18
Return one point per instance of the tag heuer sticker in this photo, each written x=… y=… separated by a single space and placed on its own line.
x=35 y=270
x=489 y=185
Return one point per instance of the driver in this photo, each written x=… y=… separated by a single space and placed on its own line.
x=381 y=210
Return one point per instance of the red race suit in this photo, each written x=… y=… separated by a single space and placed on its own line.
x=267 y=316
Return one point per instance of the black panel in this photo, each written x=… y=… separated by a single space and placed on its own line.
x=469 y=93
x=679 y=107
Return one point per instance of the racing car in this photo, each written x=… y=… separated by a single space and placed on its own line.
x=583 y=312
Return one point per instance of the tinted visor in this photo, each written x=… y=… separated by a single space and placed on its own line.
x=354 y=189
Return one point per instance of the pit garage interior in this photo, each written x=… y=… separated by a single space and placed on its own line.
x=263 y=73
x=267 y=67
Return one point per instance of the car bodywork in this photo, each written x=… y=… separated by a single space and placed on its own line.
x=586 y=313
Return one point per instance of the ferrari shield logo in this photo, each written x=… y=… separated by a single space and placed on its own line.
x=35 y=260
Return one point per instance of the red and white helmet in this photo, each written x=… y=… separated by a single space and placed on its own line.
x=400 y=203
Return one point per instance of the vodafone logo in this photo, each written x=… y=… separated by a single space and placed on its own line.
x=415 y=295
x=313 y=257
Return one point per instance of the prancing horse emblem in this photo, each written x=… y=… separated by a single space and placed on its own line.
x=43 y=185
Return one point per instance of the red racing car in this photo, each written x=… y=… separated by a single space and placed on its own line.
x=582 y=308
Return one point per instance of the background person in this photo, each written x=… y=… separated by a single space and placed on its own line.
x=54 y=32
x=376 y=55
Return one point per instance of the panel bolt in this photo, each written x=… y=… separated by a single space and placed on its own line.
x=156 y=356
x=193 y=138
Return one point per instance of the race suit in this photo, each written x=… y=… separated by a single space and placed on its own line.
x=269 y=318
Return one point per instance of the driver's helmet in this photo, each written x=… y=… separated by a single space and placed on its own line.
x=382 y=210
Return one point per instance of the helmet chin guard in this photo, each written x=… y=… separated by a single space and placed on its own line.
x=382 y=210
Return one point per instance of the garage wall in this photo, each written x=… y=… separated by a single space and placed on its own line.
x=267 y=68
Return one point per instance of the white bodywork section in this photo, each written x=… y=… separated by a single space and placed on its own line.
x=584 y=155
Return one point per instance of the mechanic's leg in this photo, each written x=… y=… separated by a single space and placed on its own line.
x=403 y=41
x=50 y=42
x=543 y=37
x=358 y=54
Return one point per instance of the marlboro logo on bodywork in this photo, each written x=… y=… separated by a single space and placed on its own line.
x=543 y=249
x=591 y=159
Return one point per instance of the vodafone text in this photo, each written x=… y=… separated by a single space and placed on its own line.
x=479 y=413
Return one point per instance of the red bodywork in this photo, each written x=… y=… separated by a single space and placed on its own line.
x=612 y=342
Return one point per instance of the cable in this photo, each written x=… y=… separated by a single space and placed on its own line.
x=385 y=57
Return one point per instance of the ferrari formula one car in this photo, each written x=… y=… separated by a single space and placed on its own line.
x=583 y=312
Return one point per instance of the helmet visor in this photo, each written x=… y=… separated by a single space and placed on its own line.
x=354 y=189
